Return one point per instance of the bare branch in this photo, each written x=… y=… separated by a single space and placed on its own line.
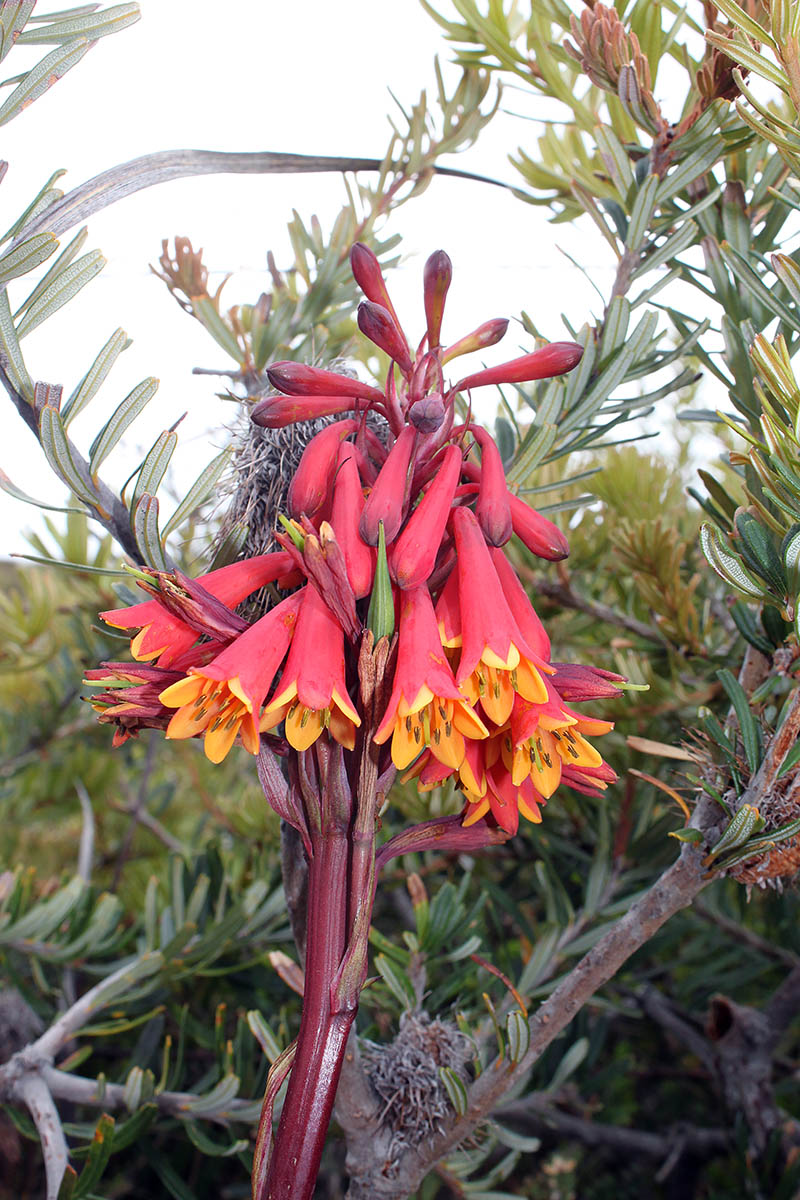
x=32 y=1090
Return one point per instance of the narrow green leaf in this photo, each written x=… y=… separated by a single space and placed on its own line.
x=94 y=378
x=396 y=980
x=12 y=490
x=61 y=263
x=752 y=282
x=380 y=616
x=455 y=1088
x=154 y=467
x=518 y=1036
x=642 y=211
x=674 y=245
x=58 y=452
x=99 y=1154
x=759 y=552
x=202 y=488
x=745 y=823
x=127 y=412
x=92 y=25
x=15 y=16
x=26 y=256
x=748 y=726
x=42 y=200
x=145 y=529
x=63 y=288
x=726 y=564
x=692 y=168
x=9 y=343
x=49 y=69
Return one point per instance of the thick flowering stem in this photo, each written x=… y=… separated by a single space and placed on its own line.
x=325 y=1025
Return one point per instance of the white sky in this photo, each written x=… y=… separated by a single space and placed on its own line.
x=308 y=77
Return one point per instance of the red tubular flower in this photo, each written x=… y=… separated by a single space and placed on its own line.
x=274 y=412
x=164 y=636
x=436 y=280
x=554 y=359
x=525 y=615
x=386 y=501
x=312 y=694
x=501 y=797
x=224 y=697
x=378 y=324
x=542 y=537
x=414 y=554
x=348 y=505
x=496 y=660
x=546 y=737
x=425 y=707
x=312 y=480
x=296 y=379
x=488 y=334
x=492 y=510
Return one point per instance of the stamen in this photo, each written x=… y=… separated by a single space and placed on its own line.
x=229 y=724
x=418 y=735
x=573 y=752
x=305 y=717
x=199 y=701
x=443 y=712
x=448 y=729
x=408 y=724
x=548 y=759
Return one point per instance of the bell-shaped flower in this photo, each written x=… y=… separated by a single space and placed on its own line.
x=223 y=698
x=348 y=505
x=163 y=635
x=386 y=502
x=311 y=482
x=502 y=799
x=543 y=738
x=496 y=660
x=414 y=554
x=312 y=694
x=492 y=510
x=425 y=708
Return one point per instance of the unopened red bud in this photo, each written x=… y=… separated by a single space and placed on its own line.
x=541 y=536
x=312 y=479
x=386 y=502
x=427 y=414
x=414 y=554
x=488 y=334
x=348 y=505
x=296 y=379
x=369 y=277
x=436 y=280
x=274 y=412
x=378 y=324
x=553 y=359
x=492 y=510
x=576 y=681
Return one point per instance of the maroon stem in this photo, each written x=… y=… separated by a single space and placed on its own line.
x=324 y=1028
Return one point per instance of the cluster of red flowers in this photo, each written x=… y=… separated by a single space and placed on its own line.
x=400 y=499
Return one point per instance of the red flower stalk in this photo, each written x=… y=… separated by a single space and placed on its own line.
x=414 y=554
x=436 y=279
x=556 y=358
x=164 y=635
x=311 y=482
x=387 y=500
x=296 y=379
x=377 y=323
x=312 y=694
x=348 y=505
x=224 y=697
x=425 y=707
x=492 y=510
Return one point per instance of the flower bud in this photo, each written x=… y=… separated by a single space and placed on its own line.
x=312 y=479
x=325 y=564
x=492 y=510
x=369 y=277
x=386 y=501
x=378 y=324
x=415 y=552
x=427 y=414
x=436 y=280
x=488 y=334
x=381 y=615
x=348 y=504
x=541 y=536
x=553 y=359
x=296 y=379
x=274 y=412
